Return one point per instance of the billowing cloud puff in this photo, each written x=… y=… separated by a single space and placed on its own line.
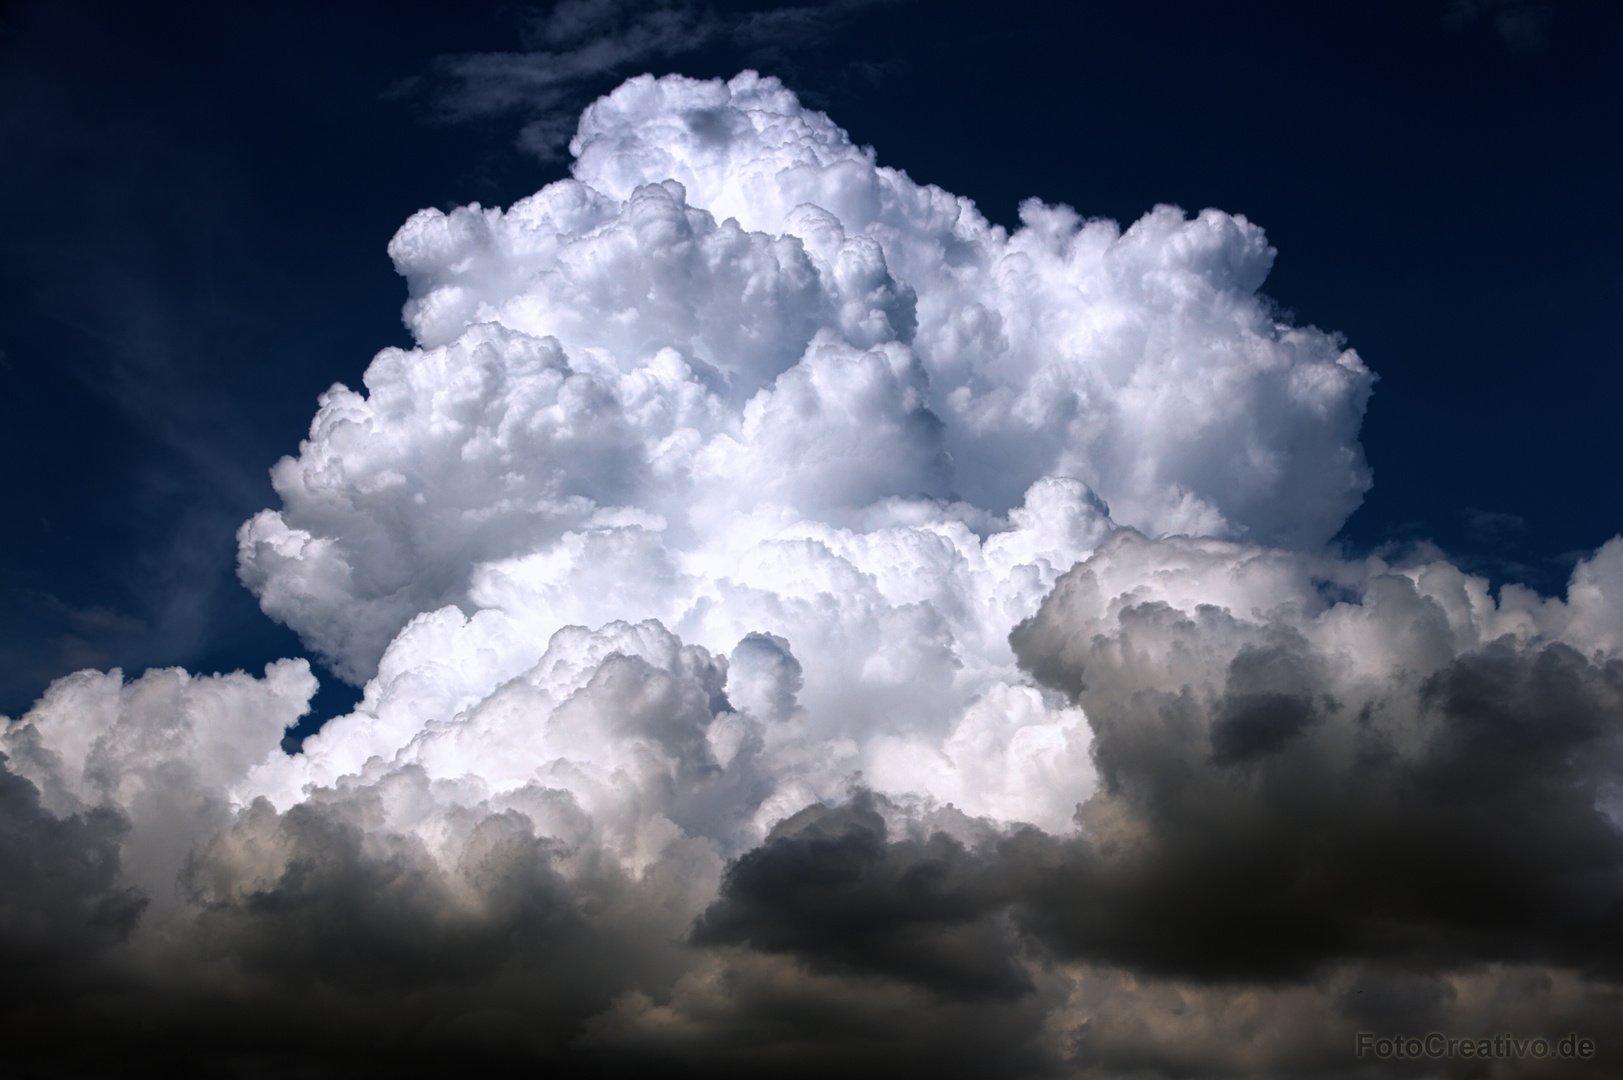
x=162 y=752
x=806 y=626
x=732 y=309
x=1304 y=762
x=1333 y=797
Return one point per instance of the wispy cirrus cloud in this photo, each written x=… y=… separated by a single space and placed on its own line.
x=579 y=47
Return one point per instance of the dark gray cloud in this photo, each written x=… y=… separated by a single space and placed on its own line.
x=313 y=945
x=830 y=886
x=1425 y=850
x=64 y=913
x=1276 y=855
x=1267 y=815
x=62 y=900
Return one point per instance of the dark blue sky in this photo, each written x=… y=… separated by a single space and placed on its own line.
x=199 y=197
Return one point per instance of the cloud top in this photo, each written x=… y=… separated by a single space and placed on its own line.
x=732 y=309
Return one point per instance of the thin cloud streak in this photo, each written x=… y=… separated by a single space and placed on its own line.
x=579 y=44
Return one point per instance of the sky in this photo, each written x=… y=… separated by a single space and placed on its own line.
x=674 y=616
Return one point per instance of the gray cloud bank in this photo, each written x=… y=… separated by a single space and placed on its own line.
x=805 y=627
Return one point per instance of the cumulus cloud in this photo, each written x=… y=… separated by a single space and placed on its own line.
x=733 y=310
x=1333 y=796
x=804 y=625
x=1414 y=772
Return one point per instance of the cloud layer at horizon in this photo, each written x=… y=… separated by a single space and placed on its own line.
x=731 y=698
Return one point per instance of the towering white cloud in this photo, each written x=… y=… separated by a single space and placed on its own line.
x=737 y=378
x=679 y=561
x=732 y=309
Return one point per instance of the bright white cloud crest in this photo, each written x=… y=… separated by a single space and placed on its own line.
x=713 y=489
x=736 y=378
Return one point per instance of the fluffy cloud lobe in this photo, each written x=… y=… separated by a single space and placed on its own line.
x=805 y=625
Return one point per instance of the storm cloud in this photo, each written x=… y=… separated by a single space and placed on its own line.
x=803 y=625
